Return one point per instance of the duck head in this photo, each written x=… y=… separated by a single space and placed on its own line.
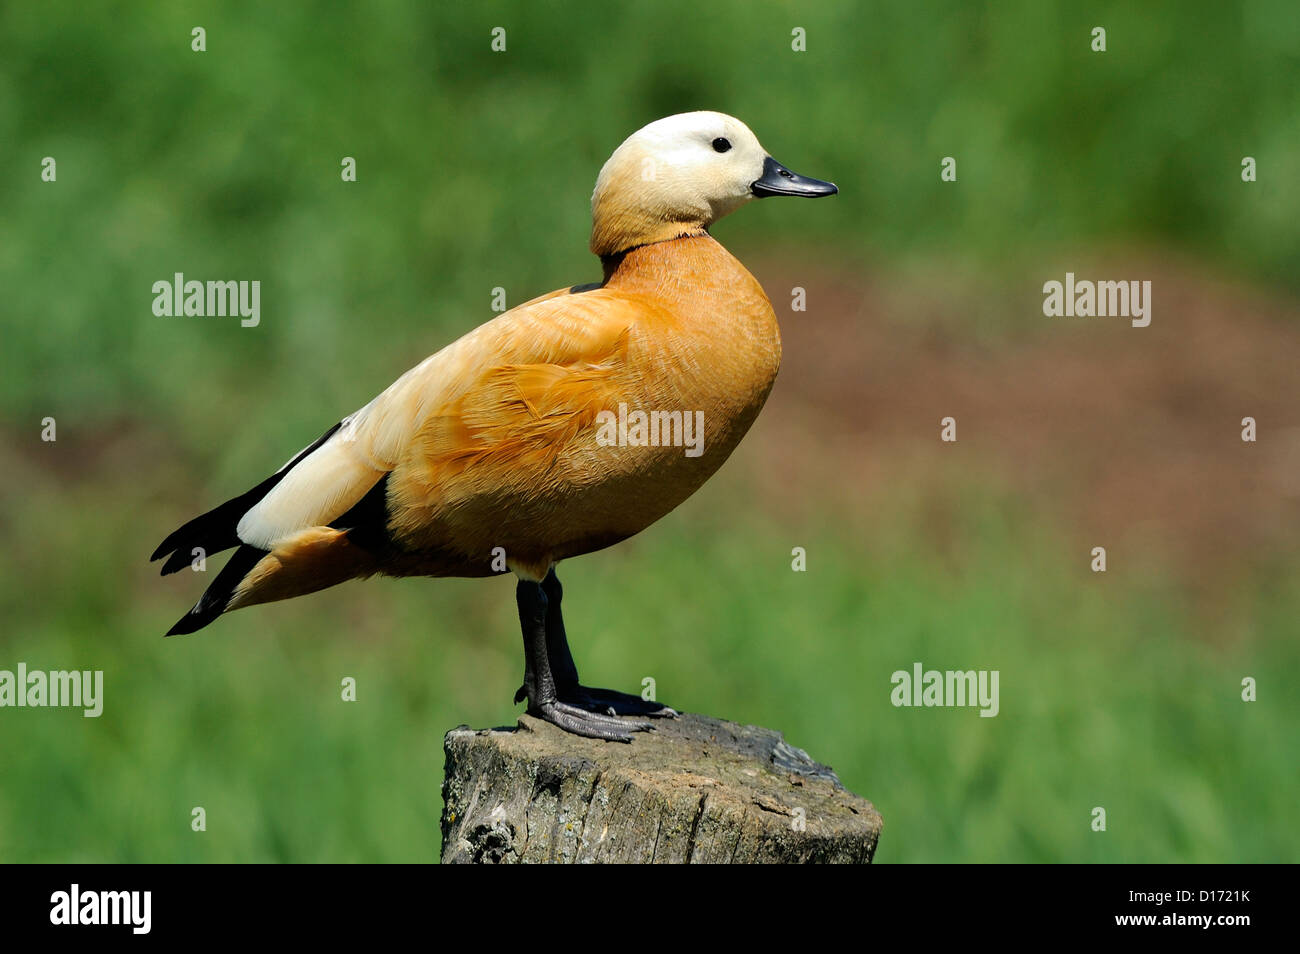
x=679 y=175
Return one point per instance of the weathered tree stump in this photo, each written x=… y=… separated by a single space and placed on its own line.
x=694 y=790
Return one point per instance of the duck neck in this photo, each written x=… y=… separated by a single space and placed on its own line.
x=618 y=231
x=686 y=259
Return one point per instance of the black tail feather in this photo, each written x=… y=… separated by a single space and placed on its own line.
x=216 y=598
x=215 y=530
x=212 y=532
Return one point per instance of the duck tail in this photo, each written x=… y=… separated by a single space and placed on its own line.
x=216 y=598
x=215 y=530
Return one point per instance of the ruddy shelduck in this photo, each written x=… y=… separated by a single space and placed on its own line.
x=556 y=429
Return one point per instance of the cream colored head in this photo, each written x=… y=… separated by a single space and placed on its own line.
x=679 y=175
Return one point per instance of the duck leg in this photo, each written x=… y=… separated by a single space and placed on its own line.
x=565 y=672
x=539 y=683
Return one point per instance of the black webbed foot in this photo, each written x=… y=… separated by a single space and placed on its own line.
x=612 y=702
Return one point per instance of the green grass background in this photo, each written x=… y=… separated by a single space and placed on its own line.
x=475 y=171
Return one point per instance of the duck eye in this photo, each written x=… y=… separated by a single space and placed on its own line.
x=721 y=145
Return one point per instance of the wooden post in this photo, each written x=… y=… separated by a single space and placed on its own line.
x=696 y=789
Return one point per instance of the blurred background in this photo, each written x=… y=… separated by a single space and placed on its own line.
x=1119 y=689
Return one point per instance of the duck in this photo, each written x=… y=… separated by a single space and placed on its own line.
x=556 y=429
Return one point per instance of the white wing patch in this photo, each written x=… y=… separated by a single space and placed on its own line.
x=330 y=480
x=321 y=488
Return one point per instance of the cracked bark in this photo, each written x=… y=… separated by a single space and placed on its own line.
x=682 y=793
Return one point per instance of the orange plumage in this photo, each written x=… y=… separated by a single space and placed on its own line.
x=495 y=441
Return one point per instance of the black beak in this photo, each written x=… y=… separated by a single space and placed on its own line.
x=778 y=180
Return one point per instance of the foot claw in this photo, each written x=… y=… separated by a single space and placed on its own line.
x=580 y=722
x=600 y=718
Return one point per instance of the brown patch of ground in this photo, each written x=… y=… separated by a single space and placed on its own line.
x=1119 y=433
